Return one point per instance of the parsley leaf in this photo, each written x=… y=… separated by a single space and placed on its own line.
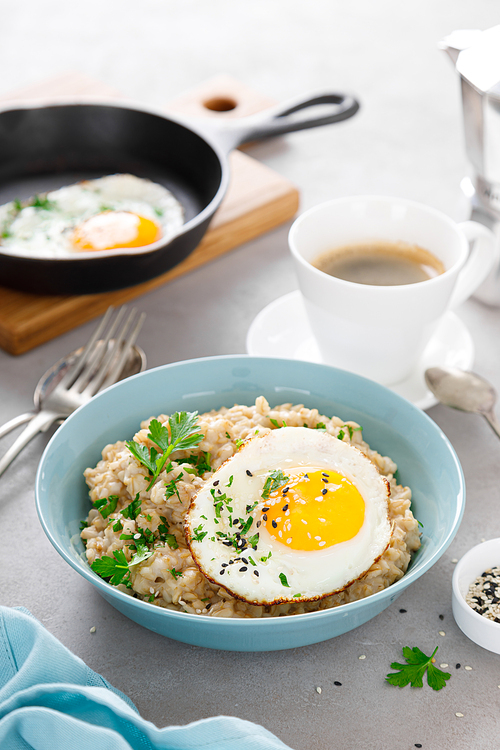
x=417 y=663
x=115 y=568
x=182 y=436
x=284 y=580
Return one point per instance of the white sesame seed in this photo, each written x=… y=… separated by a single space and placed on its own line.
x=318 y=689
x=454 y=560
x=459 y=714
x=137 y=536
x=304 y=521
x=362 y=656
x=441 y=632
x=443 y=666
x=289 y=540
x=92 y=629
x=321 y=544
x=469 y=669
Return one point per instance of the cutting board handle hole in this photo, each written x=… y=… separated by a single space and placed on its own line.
x=220 y=104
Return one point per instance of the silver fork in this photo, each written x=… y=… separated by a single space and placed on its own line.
x=98 y=366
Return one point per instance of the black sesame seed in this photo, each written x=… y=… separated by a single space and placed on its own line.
x=231 y=562
x=264 y=510
x=235 y=522
x=285 y=490
x=221 y=573
x=324 y=479
x=264 y=517
x=457 y=666
x=216 y=483
x=402 y=610
x=417 y=744
x=207 y=606
x=285 y=508
x=337 y=683
x=243 y=568
x=441 y=617
x=274 y=524
x=323 y=492
x=224 y=565
x=228 y=543
x=306 y=476
x=258 y=524
x=249 y=473
x=256 y=573
x=243 y=559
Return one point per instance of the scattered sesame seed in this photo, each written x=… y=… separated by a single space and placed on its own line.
x=441 y=617
x=256 y=573
x=454 y=560
x=318 y=689
x=221 y=573
x=417 y=744
x=362 y=656
x=469 y=669
x=443 y=666
x=323 y=492
x=457 y=666
x=441 y=632
x=249 y=473
x=459 y=714
x=243 y=568
x=402 y=610
x=92 y=629
x=324 y=479
x=339 y=684
x=483 y=540
x=216 y=483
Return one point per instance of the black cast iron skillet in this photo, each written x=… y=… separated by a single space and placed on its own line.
x=45 y=147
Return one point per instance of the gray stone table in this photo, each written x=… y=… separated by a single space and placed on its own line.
x=406 y=141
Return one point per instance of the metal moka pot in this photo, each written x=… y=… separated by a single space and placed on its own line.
x=476 y=55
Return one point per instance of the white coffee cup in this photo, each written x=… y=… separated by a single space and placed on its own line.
x=381 y=331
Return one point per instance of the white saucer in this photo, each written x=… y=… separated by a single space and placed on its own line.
x=282 y=330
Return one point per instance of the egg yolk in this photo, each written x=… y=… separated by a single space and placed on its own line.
x=314 y=510
x=113 y=229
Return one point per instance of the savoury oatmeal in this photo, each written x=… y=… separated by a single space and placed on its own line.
x=134 y=533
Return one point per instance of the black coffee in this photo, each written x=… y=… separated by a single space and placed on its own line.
x=380 y=263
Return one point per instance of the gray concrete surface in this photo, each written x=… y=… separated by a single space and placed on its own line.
x=406 y=141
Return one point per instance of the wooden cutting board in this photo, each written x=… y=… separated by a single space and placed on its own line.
x=257 y=200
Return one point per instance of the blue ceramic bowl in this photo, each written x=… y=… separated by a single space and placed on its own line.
x=391 y=425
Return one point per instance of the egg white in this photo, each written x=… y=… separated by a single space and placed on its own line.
x=258 y=573
x=39 y=233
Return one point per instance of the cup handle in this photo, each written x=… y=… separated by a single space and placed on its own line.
x=479 y=263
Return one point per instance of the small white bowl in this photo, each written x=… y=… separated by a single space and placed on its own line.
x=479 y=629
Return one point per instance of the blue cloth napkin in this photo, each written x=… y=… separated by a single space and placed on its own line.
x=51 y=700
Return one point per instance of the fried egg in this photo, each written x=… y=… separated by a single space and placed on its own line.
x=295 y=515
x=117 y=211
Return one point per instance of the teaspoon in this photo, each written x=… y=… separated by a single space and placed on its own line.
x=464 y=390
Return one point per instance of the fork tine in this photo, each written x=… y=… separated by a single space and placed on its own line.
x=98 y=358
x=123 y=343
x=76 y=368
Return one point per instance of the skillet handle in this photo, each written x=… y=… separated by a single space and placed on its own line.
x=281 y=119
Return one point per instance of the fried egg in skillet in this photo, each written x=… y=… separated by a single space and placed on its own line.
x=109 y=213
x=295 y=515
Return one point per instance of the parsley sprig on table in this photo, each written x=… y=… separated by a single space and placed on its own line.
x=181 y=434
x=417 y=664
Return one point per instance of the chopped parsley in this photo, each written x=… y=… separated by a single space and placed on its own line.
x=133 y=509
x=106 y=505
x=274 y=481
x=417 y=664
x=284 y=580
